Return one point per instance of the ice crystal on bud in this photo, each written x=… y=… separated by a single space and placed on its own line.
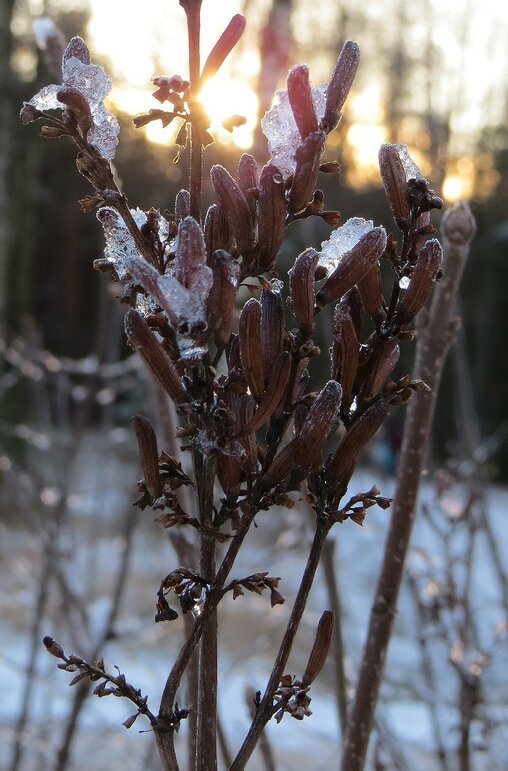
x=410 y=167
x=404 y=282
x=91 y=81
x=342 y=240
x=280 y=129
x=120 y=244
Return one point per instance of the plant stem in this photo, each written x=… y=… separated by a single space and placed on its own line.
x=338 y=642
x=193 y=11
x=431 y=351
x=265 y=709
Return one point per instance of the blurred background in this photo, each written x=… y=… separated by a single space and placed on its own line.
x=433 y=75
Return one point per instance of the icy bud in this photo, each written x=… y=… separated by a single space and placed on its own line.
x=300 y=99
x=302 y=288
x=235 y=207
x=424 y=275
x=78 y=106
x=249 y=337
x=148 y=454
x=271 y=216
x=280 y=129
x=226 y=279
x=153 y=354
x=182 y=206
x=190 y=263
x=340 y=83
x=91 y=81
x=308 y=160
x=352 y=265
x=320 y=648
x=342 y=240
x=393 y=165
x=458 y=225
x=272 y=325
x=120 y=247
x=223 y=46
x=275 y=390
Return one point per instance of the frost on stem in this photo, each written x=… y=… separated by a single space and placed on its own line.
x=280 y=129
x=91 y=82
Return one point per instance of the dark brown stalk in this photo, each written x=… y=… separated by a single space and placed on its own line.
x=265 y=709
x=193 y=12
x=332 y=587
x=431 y=352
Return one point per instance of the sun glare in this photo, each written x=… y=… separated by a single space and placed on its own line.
x=224 y=96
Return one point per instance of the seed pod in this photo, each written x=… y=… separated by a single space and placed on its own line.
x=372 y=294
x=246 y=408
x=235 y=208
x=345 y=458
x=275 y=390
x=308 y=159
x=386 y=363
x=229 y=473
x=154 y=355
x=353 y=266
x=394 y=179
x=223 y=46
x=190 y=254
x=217 y=230
x=221 y=303
x=424 y=276
x=272 y=327
x=319 y=423
x=77 y=49
x=148 y=454
x=340 y=83
x=271 y=216
x=249 y=336
x=182 y=206
x=300 y=99
x=302 y=288
x=53 y=647
x=248 y=179
x=78 y=106
x=458 y=225
x=344 y=352
x=320 y=648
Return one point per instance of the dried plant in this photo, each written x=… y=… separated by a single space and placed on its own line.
x=258 y=438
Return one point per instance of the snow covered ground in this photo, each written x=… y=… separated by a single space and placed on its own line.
x=422 y=692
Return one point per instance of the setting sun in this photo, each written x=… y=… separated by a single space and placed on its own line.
x=224 y=96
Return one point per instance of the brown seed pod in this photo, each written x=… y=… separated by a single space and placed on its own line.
x=221 y=303
x=353 y=266
x=302 y=288
x=251 y=355
x=320 y=648
x=317 y=426
x=308 y=159
x=148 y=454
x=154 y=355
x=340 y=83
x=235 y=207
x=182 y=206
x=275 y=390
x=217 y=230
x=393 y=175
x=343 y=462
x=272 y=327
x=371 y=293
x=248 y=179
x=271 y=216
x=424 y=276
x=223 y=46
x=190 y=253
x=78 y=106
x=386 y=362
x=300 y=99
x=344 y=352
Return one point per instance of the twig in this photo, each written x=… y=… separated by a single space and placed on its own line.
x=332 y=587
x=433 y=345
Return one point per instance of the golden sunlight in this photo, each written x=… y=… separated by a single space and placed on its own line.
x=224 y=96
x=456 y=188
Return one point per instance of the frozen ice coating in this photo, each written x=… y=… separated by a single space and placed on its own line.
x=342 y=240
x=280 y=128
x=92 y=82
x=410 y=167
x=120 y=246
x=404 y=282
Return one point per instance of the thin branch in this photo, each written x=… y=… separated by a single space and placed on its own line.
x=431 y=351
